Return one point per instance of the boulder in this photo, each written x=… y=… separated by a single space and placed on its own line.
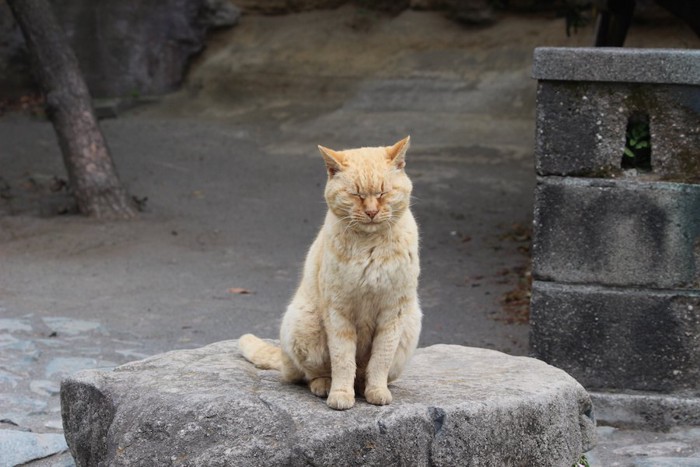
x=453 y=406
x=124 y=48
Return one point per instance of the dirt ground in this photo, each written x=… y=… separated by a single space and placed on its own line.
x=233 y=183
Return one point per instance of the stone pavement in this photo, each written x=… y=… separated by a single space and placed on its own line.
x=37 y=352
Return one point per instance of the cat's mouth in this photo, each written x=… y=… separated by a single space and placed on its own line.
x=373 y=225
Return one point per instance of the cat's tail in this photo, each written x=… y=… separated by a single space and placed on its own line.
x=260 y=353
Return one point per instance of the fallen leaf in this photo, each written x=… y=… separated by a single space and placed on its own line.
x=239 y=291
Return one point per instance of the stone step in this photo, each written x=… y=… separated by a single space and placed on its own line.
x=453 y=406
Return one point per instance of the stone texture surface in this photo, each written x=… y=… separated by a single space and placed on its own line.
x=613 y=339
x=612 y=64
x=618 y=233
x=646 y=410
x=453 y=406
x=124 y=48
x=616 y=251
x=581 y=128
x=20 y=447
x=280 y=7
x=464 y=11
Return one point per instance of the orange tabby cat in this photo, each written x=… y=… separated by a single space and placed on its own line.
x=355 y=319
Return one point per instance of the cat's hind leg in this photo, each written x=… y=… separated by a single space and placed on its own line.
x=305 y=349
x=290 y=371
x=408 y=342
x=320 y=386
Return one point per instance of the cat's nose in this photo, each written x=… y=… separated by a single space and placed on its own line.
x=371 y=213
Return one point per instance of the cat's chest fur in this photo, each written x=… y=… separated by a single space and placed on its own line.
x=374 y=268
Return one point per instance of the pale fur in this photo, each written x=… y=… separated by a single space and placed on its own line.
x=355 y=319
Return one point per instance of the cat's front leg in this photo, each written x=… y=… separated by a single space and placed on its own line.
x=384 y=346
x=342 y=344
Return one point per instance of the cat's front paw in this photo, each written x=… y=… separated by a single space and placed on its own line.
x=340 y=400
x=320 y=386
x=378 y=396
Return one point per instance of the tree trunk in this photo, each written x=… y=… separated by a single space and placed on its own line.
x=614 y=21
x=91 y=173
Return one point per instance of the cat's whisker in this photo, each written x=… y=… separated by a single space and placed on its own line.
x=352 y=224
x=342 y=219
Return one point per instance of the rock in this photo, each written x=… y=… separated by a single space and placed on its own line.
x=44 y=387
x=19 y=447
x=464 y=11
x=125 y=48
x=453 y=406
x=15 y=73
x=219 y=14
x=54 y=425
x=64 y=366
x=14 y=325
x=281 y=7
x=70 y=326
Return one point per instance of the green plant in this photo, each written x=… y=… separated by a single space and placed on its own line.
x=637 y=139
x=582 y=462
x=637 y=151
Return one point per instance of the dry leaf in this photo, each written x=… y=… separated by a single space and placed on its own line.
x=239 y=291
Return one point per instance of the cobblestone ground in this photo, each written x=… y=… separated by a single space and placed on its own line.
x=35 y=354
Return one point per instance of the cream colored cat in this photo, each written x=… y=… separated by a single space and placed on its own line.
x=355 y=319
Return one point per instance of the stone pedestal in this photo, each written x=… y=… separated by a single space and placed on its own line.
x=205 y=407
x=616 y=250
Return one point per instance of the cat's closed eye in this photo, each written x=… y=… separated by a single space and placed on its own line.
x=362 y=196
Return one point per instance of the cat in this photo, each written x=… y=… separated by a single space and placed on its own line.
x=355 y=319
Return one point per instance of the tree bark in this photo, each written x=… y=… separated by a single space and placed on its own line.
x=91 y=172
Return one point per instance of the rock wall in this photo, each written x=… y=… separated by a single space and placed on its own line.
x=130 y=47
x=125 y=48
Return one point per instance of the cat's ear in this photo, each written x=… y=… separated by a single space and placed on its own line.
x=334 y=160
x=396 y=154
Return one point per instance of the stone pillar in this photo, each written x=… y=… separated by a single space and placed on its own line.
x=616 y=249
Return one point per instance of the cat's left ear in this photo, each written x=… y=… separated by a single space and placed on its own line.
x=334 y=160
x=396 y=154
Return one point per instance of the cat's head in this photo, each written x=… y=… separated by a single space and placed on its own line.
x=367 y=187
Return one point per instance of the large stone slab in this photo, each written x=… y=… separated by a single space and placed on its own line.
x=612 y=64
x=453 y=406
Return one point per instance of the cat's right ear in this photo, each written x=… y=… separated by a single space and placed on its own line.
x=397 y=153
x=334 y=160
